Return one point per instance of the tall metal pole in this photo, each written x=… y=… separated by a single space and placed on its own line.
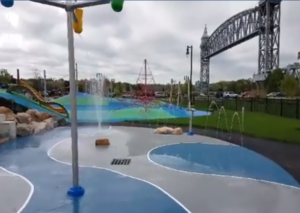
x=18 y=76
x=74 y=133
x=191 y=78
x=76 y=76
x=145 y=69
x=45 y=84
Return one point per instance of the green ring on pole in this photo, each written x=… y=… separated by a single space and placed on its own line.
x=117 y=6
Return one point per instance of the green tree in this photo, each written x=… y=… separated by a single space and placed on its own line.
x=127 y=87
x=120 y=87
x=4 y=76
x=232 y=86
x=289 y=85
x=185 y=87
x=81 y=86
x=273 y=80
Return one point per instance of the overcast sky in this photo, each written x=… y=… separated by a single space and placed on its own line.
x=33 y=36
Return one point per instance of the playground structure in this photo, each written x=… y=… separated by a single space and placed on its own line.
x=22 y=85
x=144 y=97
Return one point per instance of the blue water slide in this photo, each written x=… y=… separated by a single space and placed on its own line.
x=28 y=103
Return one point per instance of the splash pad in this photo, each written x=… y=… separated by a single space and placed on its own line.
x=96 y=106
x=120 y=110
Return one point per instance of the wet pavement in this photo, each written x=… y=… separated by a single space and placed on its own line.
x=197 y=192
x=146 y=184
x=14 y=191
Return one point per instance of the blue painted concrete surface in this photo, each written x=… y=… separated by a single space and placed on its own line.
x=107 y=110
x=221 y=160
x=106 y=192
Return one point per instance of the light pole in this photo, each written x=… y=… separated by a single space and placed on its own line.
x=76 y=190
x=190 y=109
x=188 y=49
x=187 y=79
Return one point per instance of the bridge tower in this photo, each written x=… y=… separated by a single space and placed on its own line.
x=204 y=62
x=269 y=37
x=262 y=21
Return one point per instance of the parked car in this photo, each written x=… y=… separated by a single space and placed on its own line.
x=202 y=94
x=230 y=94
x=275 y=94
x=111 y=94
x=219 y=94
x=160 y=95
x=127 y=95
x=271 y=94
x=246 y=94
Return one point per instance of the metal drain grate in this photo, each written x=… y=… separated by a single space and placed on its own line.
x=120 y=161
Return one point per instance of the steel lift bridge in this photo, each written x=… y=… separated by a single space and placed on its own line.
x=262 y=21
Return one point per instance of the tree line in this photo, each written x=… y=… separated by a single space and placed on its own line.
x=276 y=81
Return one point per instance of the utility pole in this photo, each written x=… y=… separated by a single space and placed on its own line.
x=191 y=74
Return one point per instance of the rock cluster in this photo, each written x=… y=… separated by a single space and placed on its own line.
x=168 y=130
x=31 y=121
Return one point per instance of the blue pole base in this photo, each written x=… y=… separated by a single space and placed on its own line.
x=76 y=191
x=190 y=133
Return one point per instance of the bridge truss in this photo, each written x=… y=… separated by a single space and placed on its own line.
x=262 y=21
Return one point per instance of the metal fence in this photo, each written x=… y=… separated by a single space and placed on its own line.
x=281 y=107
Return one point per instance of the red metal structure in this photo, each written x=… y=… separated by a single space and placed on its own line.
x=145 y=95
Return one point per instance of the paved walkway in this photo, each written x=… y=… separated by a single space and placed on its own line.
x=142 y=186
x=14 y=191
x=198 y=193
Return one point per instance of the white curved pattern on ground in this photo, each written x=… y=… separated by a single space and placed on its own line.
x=213 y=175
x=15 y=184
x=195 y=191
x=107 y=169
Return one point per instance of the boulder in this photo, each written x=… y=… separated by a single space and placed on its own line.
x=177 y=131
x=9 y=114
x=24 y=129
x=43 y=116
x=34 y=114
x=49 y=123
x=38 y=116
x=163 y=130
x=23 y=118
x=39 y=127
x=102 y=142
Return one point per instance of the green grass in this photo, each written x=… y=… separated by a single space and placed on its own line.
x=280 y=107
x=258 y=125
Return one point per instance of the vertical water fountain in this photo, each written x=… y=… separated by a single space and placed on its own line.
x=96 y=89
x=236 y=116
